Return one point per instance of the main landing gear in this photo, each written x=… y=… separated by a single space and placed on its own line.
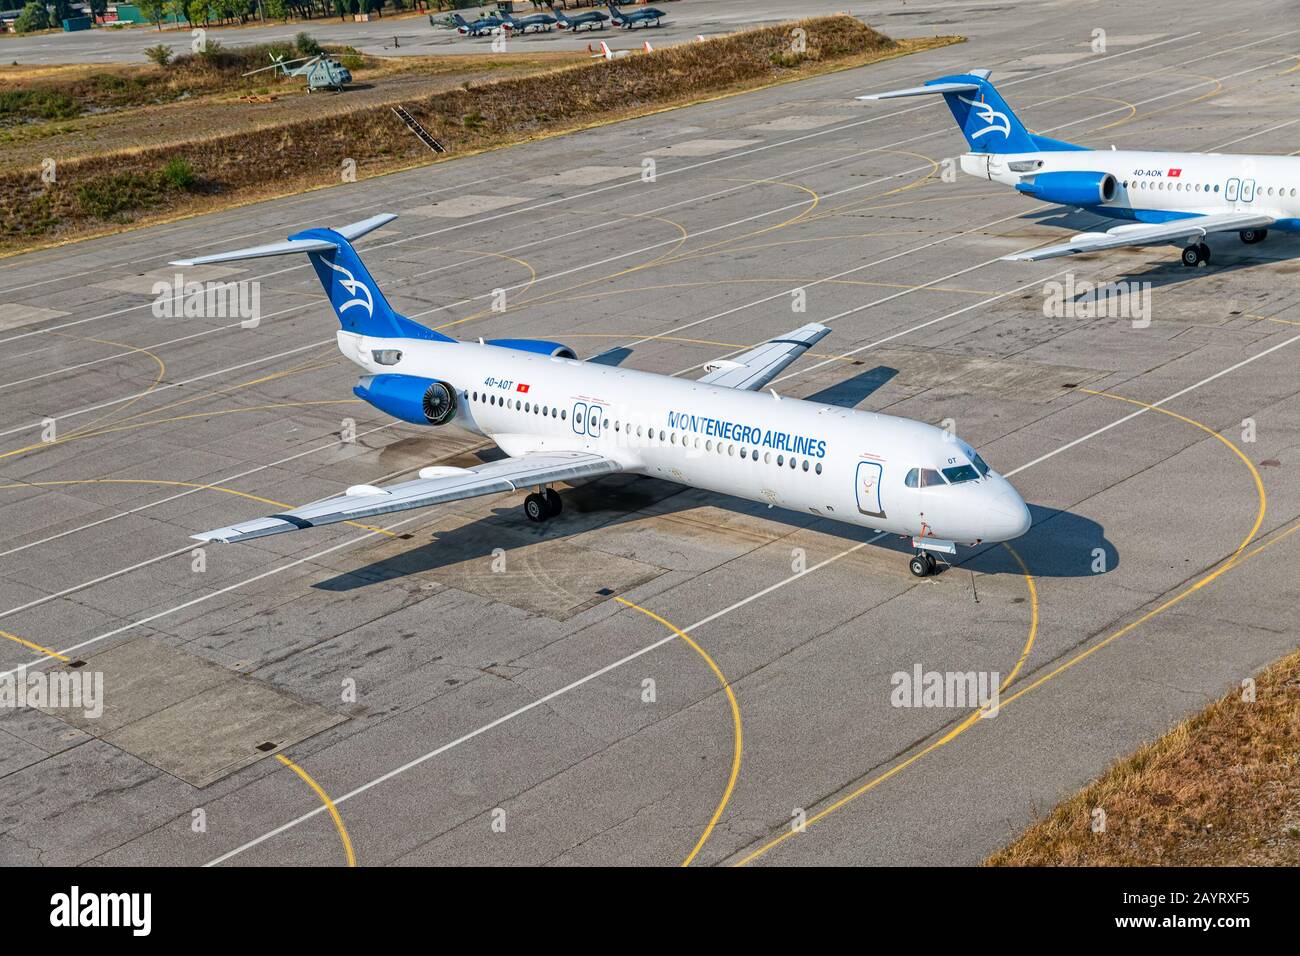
x=1252 y=236
x=922 y=564
x=543 y=506
x=1197 y=253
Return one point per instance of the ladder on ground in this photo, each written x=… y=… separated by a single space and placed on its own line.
x=420 y=132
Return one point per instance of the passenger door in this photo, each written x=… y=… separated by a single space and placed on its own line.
x=868 y=479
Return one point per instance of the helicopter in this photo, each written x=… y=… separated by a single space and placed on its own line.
x=322 y=72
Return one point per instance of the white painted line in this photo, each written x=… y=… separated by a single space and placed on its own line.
x=1262 y=132
x=922 y=325
x=1142 y=411
x=170 y=385
x=205 y=486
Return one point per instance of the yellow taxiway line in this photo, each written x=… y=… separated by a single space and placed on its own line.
x=738 y=747
x=329 y=805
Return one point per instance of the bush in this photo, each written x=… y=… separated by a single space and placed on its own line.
x=33 y=17
x=160 y=54
x=306 y=45
x=178 y=173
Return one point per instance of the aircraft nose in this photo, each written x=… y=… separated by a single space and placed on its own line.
x=1009 y=516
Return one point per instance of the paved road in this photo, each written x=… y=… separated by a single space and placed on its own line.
x=460 y=711
x=415 y=36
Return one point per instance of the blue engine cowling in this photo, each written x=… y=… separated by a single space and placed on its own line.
x=420 y=401
x=1071 y=189
x=552 y=349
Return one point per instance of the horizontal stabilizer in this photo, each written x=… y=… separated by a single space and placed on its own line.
x=923 y=91
x=354 y=231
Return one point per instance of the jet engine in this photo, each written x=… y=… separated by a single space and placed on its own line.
x=1071 y=188
x=420 y=401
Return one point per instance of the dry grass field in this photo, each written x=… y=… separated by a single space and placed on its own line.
x=1222 y=789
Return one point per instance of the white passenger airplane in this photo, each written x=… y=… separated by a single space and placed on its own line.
x=1168 y=197
x=560 y=420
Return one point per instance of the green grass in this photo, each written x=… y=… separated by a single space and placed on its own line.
x=115 y=197
x=18 y=105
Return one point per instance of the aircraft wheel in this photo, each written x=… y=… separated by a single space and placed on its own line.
x=535 y=507
x=1192 y=256
x=921 y=565
x=1252 y=236
x=554 y=503
x=1205 y=252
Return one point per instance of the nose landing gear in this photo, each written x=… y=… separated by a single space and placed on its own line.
x=543 y=505
x=922 y=564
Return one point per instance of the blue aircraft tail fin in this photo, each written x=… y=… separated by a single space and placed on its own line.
x=352 y=291
x=985 y=119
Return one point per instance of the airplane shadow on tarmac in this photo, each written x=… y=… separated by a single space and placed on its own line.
x=1228 y=253
x=1060 y=543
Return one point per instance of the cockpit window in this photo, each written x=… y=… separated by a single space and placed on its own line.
x=982 y=468
x=923 y=478
x=959 y=473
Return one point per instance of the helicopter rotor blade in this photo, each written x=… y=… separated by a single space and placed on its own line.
x=280 y=63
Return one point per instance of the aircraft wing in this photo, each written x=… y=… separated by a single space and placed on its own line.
x=435 y=485
x=1147 y=234
x=755 y=368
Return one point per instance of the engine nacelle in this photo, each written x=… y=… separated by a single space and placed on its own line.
x=538 y=346
x=420 y=401
x=1071 y=188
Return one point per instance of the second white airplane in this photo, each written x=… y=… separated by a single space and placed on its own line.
x=1164 y=197
x=562 y=420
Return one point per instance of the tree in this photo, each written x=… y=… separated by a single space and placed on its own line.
x=34 y=16
x=154 y=11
